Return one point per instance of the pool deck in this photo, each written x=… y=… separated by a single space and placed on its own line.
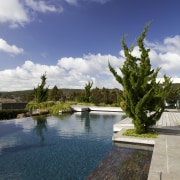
x=80 y=108
x=165 y=162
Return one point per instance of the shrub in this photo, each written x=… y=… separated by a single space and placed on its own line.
x=10 y=114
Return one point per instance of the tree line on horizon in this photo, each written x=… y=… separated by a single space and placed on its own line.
x=86 y=95
x=98 y=95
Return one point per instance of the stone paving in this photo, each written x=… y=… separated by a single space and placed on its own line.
x=165 y=163
x=125 y=163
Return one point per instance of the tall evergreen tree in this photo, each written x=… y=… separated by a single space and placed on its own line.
x=55 y=94
x=143 y=97
x=88 y=92
x=41 y=93
x=96 y=96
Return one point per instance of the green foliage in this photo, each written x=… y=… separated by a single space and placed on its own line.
x=10 y=113
x=60 y=106
x=98 y=96
x=43 y=105
x=55 y=94
x=40 y=127
x=87 y=95
x=174 y=95
x=103 y=96
x=142 y=98
x=85 y=104
x=132 y=132
x=41 y=93
x=15 y=96
x=52 y=106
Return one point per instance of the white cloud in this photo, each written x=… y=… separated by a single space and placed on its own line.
x=13 y=12
x=68 y=73
x=101 y=1
x=72 y=2
x=90 y=68
x=166 y=55
x=42 y=6
x=171 y=44
x=12 y=49
x=170 y=61
x=71 y=72
x=17 y=12
x=76 y=2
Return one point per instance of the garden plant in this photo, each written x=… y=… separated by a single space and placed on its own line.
x=142 y=97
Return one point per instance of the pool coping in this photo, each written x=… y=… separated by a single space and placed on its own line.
x=118 y=137
x=82 y=108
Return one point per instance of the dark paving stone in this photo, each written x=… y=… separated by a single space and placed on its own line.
x=123 y=164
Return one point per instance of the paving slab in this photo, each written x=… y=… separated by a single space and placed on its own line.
x=166 y=158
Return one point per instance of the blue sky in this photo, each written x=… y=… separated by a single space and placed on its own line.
x=72 y=40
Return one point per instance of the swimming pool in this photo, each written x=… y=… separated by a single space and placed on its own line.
x=55 y=147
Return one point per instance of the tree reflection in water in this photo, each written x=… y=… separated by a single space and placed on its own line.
x=41 y=127
x=86 y=118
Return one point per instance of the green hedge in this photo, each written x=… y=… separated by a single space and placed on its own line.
x=10 y=114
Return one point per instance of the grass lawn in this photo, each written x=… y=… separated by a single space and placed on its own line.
x=132 y=132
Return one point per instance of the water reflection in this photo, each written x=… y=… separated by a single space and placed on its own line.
x=106 y=115
x=64 y=116
x=89 y=118
x=40 y=127
x=86 y=118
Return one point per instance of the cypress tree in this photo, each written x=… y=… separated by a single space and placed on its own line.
x=55 y=94
x=41 y=93
x=88 y=92
x=142 y=98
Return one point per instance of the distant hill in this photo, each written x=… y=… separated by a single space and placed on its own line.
x=23 y=96
x=15 y=96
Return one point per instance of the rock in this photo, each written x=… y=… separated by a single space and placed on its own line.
x=22 y=115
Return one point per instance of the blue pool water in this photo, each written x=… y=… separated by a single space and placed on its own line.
x=55 y=147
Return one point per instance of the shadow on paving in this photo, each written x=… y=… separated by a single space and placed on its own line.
x=123 y=163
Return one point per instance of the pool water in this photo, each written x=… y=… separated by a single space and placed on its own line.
x=66 y=147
